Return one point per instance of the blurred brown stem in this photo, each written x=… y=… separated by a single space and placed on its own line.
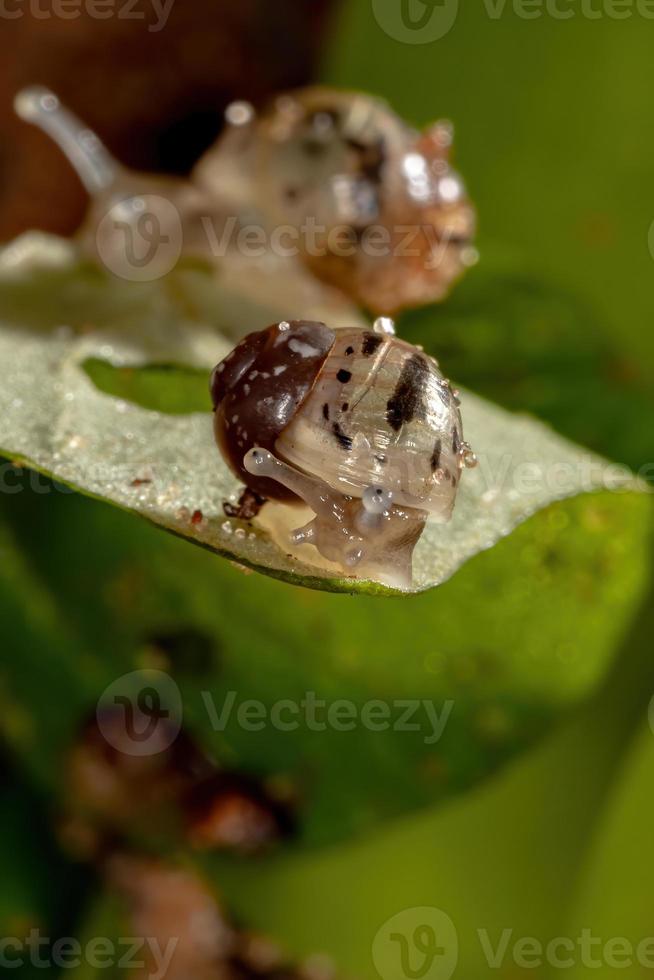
x=152 y=79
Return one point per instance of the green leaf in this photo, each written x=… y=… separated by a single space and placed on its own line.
x=30 y=864
x=551 y=604
x=43 y=665
x=509 y=855
x=501 y=857
x=539 y=155
x=613 y=894
x=23 y=900
x=165 y=466
x=167 y=388
x=105 y=919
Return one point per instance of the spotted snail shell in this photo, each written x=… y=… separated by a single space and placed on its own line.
x=352 y=407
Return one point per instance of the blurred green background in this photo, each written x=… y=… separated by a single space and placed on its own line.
x=552 y=136
x=534 y=811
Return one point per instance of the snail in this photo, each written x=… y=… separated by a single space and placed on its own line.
x=333 y=181
x=359 y=425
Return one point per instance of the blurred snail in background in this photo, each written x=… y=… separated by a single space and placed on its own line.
x=381 y=213
x=334 y=180
x=358 y=424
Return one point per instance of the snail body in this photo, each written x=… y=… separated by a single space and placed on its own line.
x=358 y=424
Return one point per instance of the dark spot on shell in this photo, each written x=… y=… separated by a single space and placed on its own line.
x=372 y=157
x=325 y=412
x=348 y=351
x=345 y=442
x=444 y=391
x=407 y=401
x=436 y=456
x=343 y=376
x=345 y=406
x=371 y=342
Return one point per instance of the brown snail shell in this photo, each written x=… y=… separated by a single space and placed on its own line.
x=258 y=388
x=352 y=407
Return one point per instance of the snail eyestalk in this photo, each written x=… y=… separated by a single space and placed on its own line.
x=367 y=535
x=86 y=153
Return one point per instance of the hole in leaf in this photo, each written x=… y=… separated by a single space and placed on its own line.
x=169 y=388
